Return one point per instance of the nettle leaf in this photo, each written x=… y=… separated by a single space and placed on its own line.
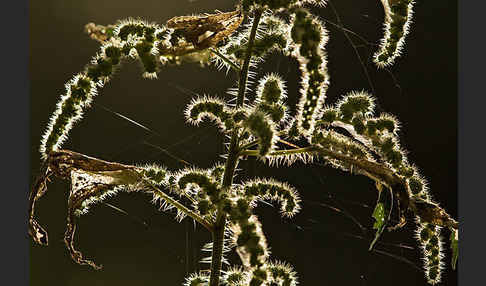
x=379 y=216
x=454 y=247
x=382 y=212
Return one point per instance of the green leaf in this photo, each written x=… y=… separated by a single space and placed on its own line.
x=382 y=212
x=379 y=215
x=454 y=247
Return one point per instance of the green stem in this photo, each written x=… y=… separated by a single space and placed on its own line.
x=181 y=207
x=247 y=146
x=309 y=149
x=231 y=162
x=225 y=59
x=255 y=142
x=381 y=173
x=246 y=63
x=378 y=170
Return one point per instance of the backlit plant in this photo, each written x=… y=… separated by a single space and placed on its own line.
x=348 y=135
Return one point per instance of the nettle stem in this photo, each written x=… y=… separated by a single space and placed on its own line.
x=380 y=173
x=246 y=63
x=232 y=161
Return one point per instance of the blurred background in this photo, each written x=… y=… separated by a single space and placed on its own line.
x=327 y=243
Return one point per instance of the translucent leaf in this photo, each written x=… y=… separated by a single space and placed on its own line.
x=379 y=216
x=382 y=212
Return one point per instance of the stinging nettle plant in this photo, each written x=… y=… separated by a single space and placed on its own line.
x=347 y=135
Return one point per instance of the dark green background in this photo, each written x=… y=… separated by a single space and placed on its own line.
x=320 y=243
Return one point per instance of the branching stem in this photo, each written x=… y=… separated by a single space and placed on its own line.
x=181 y=207
x=381 y=173
x=234 y=66
x=232 y=161
x=255 y=142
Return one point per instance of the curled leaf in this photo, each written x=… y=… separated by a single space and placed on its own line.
x=39 y=188
x=454 y=247
x=92 y=180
